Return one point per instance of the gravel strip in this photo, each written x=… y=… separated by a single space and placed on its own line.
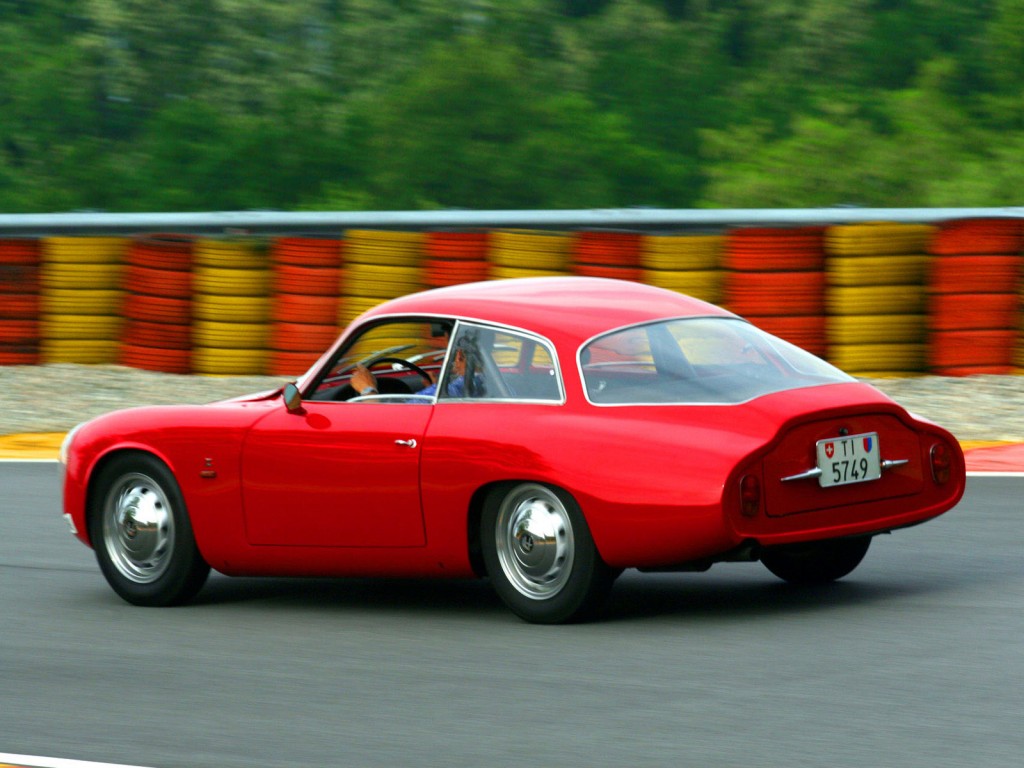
x=53 y=398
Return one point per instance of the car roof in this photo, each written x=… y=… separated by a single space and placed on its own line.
x=581 y=306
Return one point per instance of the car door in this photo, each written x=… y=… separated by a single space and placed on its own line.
x=335 y=475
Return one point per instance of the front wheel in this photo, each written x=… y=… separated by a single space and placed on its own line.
x=141 y=533
x=817 y=562
x=540 y=555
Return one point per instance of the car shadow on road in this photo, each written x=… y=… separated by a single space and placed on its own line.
x=645 y=596
x=455 y=596
x=634 y=597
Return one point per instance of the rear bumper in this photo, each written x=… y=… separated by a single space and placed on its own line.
x=800 y=510
x=840 y=523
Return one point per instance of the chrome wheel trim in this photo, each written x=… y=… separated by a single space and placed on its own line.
x=534 y=541
x=138 y=528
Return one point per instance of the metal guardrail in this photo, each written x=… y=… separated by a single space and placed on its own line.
x=327 y=222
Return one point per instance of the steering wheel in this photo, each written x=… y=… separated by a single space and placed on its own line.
x=405 y=363
x=386 y=385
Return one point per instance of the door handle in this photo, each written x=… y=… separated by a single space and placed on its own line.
x=411 y=443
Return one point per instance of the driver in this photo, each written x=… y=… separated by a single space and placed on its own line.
x=365 y=383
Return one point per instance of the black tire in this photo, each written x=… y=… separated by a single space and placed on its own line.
x=540 y=555
x=817 y=562
x=141 y=533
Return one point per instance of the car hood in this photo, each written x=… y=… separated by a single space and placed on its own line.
x=159 y=427
x=269 y=394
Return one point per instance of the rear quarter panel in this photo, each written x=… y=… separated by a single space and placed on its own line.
x=650 y=481
x=659 y=485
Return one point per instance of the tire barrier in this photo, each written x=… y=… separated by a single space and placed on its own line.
x=884 y=360
x=775 y=278
x=998 y=237
x=158 y=304
x=975 y=276
x=379 y=265
x=875 y=297
x=81 y=299
x=896 y=299
x=19 y=301
x=306 y=300
x=454 y=258
x=529 y=254
x=231 y=307
x=690 y=264
x=607 y=254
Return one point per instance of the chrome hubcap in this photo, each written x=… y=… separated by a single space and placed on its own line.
x=138 y=528
x=534 y=541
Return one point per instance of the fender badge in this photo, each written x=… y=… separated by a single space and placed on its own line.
x=208 y=473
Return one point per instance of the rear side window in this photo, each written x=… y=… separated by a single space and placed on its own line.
x=696 y=360
x=503 y=364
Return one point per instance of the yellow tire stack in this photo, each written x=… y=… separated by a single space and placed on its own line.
x=876 y=297
x=231 y=308
x=690 y=264
x=529 y=254
x=379 y=265
x=81 y=299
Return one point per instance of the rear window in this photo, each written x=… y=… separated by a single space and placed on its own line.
x=696 y=360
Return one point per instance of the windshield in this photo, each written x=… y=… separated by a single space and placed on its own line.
x=696 y=360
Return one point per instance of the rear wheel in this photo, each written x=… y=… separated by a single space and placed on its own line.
x=540 y=555
x=141 y=533
x=816 y=562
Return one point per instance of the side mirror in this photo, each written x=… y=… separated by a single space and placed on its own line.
x=292 y=398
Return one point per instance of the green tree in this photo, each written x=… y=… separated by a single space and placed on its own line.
x=480 y=126
x=127 y=105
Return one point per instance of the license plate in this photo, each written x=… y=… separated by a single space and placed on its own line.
x=845 y=460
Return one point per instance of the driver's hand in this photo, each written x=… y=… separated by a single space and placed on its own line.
x=361 y=379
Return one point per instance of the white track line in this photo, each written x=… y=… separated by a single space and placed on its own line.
x=56 y=762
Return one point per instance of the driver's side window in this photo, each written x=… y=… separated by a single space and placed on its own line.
x=388 y=360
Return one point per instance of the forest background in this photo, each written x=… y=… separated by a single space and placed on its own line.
x=133 y=105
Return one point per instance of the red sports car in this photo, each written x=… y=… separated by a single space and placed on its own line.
x=544 y=432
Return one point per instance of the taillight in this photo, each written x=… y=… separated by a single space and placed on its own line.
x=942 y=463
x=750 y=495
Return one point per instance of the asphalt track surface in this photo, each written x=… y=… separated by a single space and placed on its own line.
x=916 y=659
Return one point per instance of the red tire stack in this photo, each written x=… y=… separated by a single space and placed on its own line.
x=974 y=296
x=775 y=278
x=19 y=302
x=158 y=304
x=307 y=296
x=607 y=254
x=454 y=258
